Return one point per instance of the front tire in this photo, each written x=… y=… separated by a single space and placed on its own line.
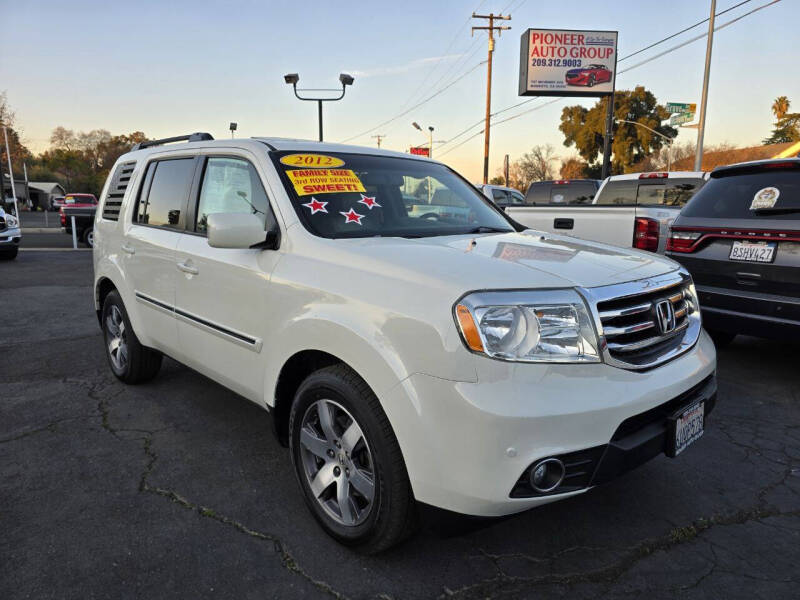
x=9 y=254
x=129 y=361
x=348 y=462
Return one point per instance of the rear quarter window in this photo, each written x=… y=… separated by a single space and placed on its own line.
x=731 y=197
x=622 y=192
x=668 y=192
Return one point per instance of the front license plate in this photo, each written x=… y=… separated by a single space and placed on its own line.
x=688 y=427
x=753 y=251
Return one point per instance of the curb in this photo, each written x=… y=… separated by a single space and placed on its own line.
x=55 y=249
x=41 y=230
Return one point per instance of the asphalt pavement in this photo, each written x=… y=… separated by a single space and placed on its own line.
x=177 y=489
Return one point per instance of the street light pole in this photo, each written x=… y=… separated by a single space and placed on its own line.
x=344 y=79
x=658 y=133
x=701 y=125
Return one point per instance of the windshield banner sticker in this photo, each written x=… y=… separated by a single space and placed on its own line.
x=324 y=181
x=312 y=161
x=765 y=198
x=352 y=216
x=369 y=201
x=316 y=206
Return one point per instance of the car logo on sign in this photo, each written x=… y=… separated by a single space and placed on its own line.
x=665 y=316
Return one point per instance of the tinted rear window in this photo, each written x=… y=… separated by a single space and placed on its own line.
x=168 y=193
x=572 y=193
x=579 y=192
x=669 y=192
x=731 y=197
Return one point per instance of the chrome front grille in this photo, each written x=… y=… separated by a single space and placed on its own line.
x=3 y=225
x=646 y=323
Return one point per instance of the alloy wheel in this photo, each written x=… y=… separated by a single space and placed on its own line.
x=116 y=338
x=337 y=462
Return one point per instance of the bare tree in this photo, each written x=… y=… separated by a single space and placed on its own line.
x=537 y=165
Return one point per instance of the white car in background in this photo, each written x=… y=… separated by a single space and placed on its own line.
x=10 y=235
x=631 y=210
x=501 y=195
x=406 y=355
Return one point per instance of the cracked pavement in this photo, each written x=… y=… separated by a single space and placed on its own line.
x=177 y=488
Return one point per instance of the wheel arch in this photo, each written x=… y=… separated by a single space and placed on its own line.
x=102 y=288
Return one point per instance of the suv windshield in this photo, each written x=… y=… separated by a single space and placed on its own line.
x=767 y=194
x=364 y=195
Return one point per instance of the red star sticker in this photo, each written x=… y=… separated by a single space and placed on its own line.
x=316 y=206
x=352 y=216
x=368 y=201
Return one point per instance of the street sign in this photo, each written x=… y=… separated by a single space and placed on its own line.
x=420 y=150
x=681 y=118
x=681 y=107
x=563 y=62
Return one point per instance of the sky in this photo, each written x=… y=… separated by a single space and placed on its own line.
x=174 y=67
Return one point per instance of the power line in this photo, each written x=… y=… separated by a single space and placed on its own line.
x=428 y=99
x=438 y=62
x=669 y=50
x=674 y=35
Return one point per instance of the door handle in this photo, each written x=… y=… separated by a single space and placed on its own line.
x=128 y=249
x=187 y=268
x=563 y=223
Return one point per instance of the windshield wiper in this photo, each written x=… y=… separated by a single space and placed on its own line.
x=486 y=229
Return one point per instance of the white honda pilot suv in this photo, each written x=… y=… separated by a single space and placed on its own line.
x=412 y=343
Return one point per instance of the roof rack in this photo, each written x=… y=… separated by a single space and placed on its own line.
x=193 y=137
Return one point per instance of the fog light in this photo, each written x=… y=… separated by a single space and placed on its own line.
x=547 y=475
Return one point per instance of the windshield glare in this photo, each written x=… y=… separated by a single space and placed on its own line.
x=384 y=196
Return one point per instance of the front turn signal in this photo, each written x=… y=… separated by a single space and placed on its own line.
x=468 y=328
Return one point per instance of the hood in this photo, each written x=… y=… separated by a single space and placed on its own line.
x=576 y=71
x=528 y=259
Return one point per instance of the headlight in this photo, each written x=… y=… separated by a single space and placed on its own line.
x=546 y=326
x=11 y=221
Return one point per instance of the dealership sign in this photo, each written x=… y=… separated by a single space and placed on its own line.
x=562 y=62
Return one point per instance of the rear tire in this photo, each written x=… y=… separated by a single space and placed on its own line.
x=363 y=498
x=88 y=237
x=721 y=338
x=129 y=361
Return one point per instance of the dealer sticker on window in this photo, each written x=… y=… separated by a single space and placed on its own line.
x=765 y=198
x=324 y=181
x=312 y=161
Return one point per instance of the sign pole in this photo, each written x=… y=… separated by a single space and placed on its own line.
x=609 y=133
x=701 y=125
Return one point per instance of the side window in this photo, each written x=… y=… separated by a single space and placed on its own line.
x=619 y=193
x=162 y=203
x=517 y=198
x=500 y=196
x=230 y=185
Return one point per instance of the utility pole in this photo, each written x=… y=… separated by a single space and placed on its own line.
x=490 y=29
x=701 y=125
x=379 y=137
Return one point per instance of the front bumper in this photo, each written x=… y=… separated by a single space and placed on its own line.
x=10 y=237
x=467 y=444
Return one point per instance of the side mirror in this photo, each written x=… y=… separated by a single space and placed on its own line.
x=239 y=230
